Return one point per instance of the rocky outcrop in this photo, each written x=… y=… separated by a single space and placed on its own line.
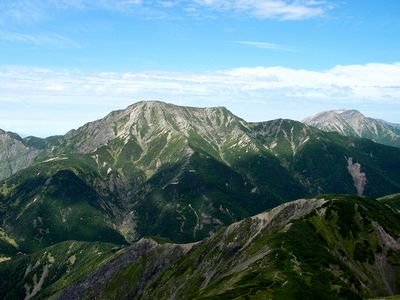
x=359 y=178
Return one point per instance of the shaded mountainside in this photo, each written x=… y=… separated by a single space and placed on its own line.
x=326 y=162
x=328 y=248
x=39 y=209
x=156 y=169
x=331 y=247
x=45 y=272
x=353 y=123
x=70 y=198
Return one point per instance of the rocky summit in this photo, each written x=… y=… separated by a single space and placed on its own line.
x=353 y=123
x=171 y=202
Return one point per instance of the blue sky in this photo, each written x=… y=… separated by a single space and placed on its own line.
x=66 y=62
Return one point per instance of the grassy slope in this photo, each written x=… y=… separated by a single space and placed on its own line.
x=344 y=248
x=318 y=159
x=341 y=250
x=51 y=269
x=53 y=206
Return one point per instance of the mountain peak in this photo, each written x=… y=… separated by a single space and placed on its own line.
x=151 y=104
x=350 y=113
x=283 y=136
x=158 y=115
x=354 y=123
x=328 y=115
x=347 y=111
x=160 y=130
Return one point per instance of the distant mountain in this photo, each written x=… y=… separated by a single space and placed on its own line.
x=15 y=153
x=330 y=247
x=353 y=123
x=156 y=169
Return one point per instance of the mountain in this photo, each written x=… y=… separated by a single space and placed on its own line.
x=15 y=154
x=327 y=162
x=147 y=171
x=330 y=247
x=156 y=169
x=353 y=123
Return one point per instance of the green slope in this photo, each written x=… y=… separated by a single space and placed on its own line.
x=319 y=160
x=45 y=205
x=44 y=273
x=334 y=247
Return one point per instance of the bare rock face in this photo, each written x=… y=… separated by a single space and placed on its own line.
x=359 y=178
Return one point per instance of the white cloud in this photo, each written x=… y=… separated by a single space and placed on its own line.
x=264 y=45
x=253 y=93
x=271 y=9
x=370 y=82
x=26 y=11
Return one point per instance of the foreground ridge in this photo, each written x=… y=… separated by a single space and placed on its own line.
x=281 y=253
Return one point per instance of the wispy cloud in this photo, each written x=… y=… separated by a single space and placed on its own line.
x=45 y=40
x=98 y=4
x=34 y=10
x=23 y=11
x=28 y=11
x=264 y=45
x=271 y=9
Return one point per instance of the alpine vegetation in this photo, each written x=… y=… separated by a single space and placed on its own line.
x=159 y=201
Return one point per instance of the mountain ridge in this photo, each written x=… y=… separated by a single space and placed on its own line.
x=305 y=248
